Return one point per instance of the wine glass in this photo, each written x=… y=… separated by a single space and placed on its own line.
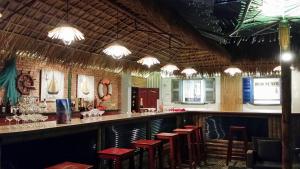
x=9 y=119
x=17 y=119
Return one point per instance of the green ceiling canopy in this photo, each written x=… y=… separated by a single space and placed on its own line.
x=258 y=16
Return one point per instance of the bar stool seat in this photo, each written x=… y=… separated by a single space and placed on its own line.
x=151 y=146
x=199 y=143
x=173 y=141
x=232 y=131
x=191 y=153
x=117 y=155
x=70 y=165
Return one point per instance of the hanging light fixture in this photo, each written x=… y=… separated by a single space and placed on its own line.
x=149 y=61
x=65 y=32
x=232 y=71
x=189 y=72
x=169 y=68
x=116 y=50
x=1 y=15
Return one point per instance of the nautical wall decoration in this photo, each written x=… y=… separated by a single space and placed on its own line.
x=85 y=87
x=105 y=90
x=25 y=83
x=52 y=85
x=8 y=77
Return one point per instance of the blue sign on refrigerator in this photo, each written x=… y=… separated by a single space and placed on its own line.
x=63 y=111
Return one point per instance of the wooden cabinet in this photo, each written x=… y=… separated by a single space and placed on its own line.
x=147 y=97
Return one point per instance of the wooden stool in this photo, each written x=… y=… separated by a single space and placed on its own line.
x=151 y=146
x=67 y=164
x=232 y=130
x=173 y=141
x=117 y=155
x=199 y=143
x=191 y=153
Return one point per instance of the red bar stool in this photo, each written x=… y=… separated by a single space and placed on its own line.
x=232 y=130
x=151 y=146
x=191 y=154
x=117 y=155
x=173 y=141
x=199 y=143
x=72 y=165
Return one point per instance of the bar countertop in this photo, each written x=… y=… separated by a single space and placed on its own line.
x=50 y=128
x=92 y=121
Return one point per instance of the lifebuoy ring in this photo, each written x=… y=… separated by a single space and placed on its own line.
x=105 y=83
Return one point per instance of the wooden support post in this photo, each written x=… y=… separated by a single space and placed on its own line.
x=69 y=83
x=100 y=144
x=284 y=41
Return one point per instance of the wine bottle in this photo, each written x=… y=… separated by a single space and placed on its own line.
x=141 y=103
x=8 y=107
x=3 y=108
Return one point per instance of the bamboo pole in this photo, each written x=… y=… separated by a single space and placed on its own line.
x=284 y=41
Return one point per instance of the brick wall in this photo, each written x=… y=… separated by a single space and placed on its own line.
x=35 y=68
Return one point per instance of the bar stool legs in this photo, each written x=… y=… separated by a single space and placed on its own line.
x=199 y=144
x=232 y=130
x=151 y=146
x=187 y=133
x=174 y=154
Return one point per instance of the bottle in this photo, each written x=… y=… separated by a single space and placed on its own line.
x=8 y=107
x=95 y=102
x=3 y=108
x=44 y=106
x=141 y=103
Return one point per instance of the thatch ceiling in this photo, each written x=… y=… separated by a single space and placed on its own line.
x=145 y=27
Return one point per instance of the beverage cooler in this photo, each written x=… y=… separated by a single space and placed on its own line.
x=144 y=98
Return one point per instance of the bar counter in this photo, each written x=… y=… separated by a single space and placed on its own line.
x=6 y=130
x=118 y=130
x=12 y=133
x=93 y=123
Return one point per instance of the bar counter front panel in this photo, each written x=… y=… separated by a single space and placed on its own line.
x=50 y=143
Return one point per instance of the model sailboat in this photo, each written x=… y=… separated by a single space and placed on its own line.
x=52 y=87
x=84 y=87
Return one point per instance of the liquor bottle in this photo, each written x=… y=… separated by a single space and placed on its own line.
x=44 y=106
x=3 y=108
x=80 y=104
x=95 y=102
x=141 y=103
x=8 y=107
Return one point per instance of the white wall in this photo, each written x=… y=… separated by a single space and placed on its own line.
x=295 y=91
x=166 y=98
x=126 y=92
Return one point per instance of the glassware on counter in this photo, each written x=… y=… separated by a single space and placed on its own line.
x=92 y=113
x=9 y=119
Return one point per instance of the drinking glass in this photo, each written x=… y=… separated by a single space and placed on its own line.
x=9 y=119
x=17 y=119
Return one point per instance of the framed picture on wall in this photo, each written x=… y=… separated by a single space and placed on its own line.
x=52 y=85
x=85 y=87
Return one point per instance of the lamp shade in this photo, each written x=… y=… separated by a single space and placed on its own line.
x=116 y=51
x=66 y=33
x=148 y=61
x=232 y=70
x=189 y=71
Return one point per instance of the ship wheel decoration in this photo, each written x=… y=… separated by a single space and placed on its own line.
x=25 y=83
x=105 y=90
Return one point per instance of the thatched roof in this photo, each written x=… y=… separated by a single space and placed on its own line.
x=25 y=24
